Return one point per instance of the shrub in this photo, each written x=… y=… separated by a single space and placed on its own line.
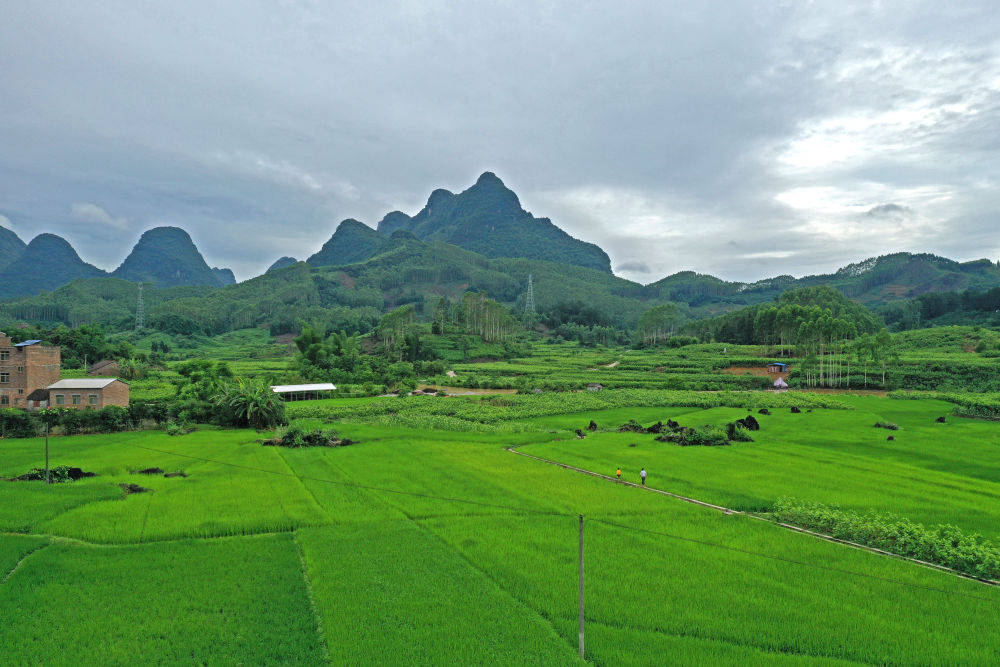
x=942 y=544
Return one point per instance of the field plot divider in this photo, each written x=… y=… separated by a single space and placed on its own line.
x=787 y=526
x=21 y=560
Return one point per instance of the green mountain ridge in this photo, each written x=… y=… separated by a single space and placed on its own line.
x=47 y=262
x=11 y=247
x=487 y=218
x=168 y=257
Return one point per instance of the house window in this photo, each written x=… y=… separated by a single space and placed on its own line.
x=93 y=399
x=4 y=355
x=4 y=378
x=60 y=399
x=4 y=399
x=76 y=399
x=20 y=369
x=20 y=391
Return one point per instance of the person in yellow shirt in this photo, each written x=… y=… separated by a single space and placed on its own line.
x=619 y=473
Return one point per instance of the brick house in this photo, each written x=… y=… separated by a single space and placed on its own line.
x=81 y=393
x=24 y=368
x=107 y=367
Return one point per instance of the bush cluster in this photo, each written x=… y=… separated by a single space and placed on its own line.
x=942 y=544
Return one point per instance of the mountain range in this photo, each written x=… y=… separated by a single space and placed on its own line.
x=490 y=243
x=164 y=256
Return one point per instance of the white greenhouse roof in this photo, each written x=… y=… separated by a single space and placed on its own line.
x=82 y=383
x=292 y=388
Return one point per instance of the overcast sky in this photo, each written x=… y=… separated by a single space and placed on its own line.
x=741 y=139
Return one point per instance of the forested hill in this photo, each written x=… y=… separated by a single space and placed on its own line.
x=168 y=257
x=874 y=281
x=164 y=256
x=350 y=297
x=46 y=263
x=488 y=219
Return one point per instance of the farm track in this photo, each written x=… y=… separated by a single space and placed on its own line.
x=22 y=559
x=751 y=515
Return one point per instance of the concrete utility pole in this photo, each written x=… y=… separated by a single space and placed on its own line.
x=581 y=586
x=48 y=478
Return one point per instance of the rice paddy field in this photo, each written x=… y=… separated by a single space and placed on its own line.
x=431 y=542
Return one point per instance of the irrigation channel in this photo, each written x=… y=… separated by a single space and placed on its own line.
x=758 y=517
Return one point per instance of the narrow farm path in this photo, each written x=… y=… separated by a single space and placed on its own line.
x=21 y=560
x=729 y=510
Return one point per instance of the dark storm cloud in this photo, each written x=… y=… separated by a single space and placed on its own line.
x=737 y=139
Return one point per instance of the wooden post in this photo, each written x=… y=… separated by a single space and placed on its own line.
x=581 y=586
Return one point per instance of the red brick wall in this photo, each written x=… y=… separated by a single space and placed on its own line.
x=115 y=393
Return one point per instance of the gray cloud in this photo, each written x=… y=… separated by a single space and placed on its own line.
x=729 y=138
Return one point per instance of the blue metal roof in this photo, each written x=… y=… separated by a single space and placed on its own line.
x=26 y=343
x=778 y=363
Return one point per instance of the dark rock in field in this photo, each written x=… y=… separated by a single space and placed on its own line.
x=631 y=426
x=579 y=434
x=809 y=410
x=592 y=426
x=632 y=444
x=796 y=410
x=890 y=438
x=57 y=474
x=655 y=428
x=888 y=425
x=148 y=471
x=749 y=422
x=763 y=411
x=345 y=442
x=672 y=425
x=179 y=473
x=940 y=420
x=133 y=488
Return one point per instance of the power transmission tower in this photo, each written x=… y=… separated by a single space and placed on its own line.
x=529 y=299
x=140 y=311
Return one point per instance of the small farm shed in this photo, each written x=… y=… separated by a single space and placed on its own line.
x=777 y=367
x=780 y=384
x=594 y=386
x=104 y=367
x=303 y=392
x=80 y=393
x=38 y=399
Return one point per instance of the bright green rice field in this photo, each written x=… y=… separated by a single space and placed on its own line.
x=352 y=556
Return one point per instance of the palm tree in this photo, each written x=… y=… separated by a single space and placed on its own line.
x=251 y=403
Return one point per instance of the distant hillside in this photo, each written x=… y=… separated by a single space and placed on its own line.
x=488 y=219
x=46 y=263
x=874 y=281
x=352 y=242
x=11 y=247
x=349 y=297
x=168 y=257
x=224 y=276
x=281 y=263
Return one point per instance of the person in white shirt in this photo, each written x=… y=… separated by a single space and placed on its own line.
x=642 y=476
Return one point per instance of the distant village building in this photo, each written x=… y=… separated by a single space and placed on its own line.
x=107 y=367
x=303 y=392
x=777 y=367
x=25 y=368
x=780 y=384
x=82 y=393
x=594 y=386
